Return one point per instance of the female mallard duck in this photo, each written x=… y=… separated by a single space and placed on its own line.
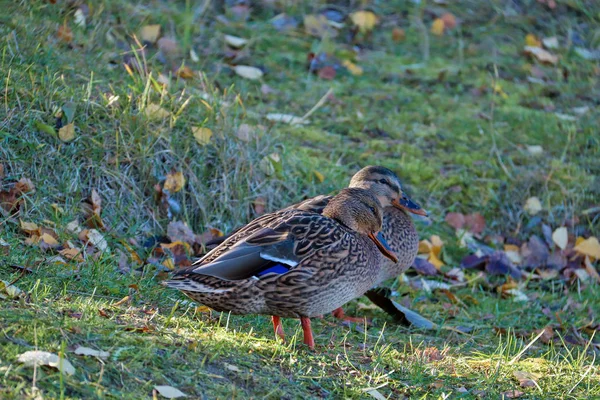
x=295 y=263
x=398 y=228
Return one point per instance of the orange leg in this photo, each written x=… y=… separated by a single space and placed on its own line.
x=278 y=327
x=308 y=336
x=339 y=314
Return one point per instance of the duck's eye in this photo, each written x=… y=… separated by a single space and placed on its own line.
x=373 y=209
x=383 y=181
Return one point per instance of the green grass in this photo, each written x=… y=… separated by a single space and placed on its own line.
x=457 y=144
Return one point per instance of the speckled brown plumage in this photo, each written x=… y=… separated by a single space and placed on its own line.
x=336 y=261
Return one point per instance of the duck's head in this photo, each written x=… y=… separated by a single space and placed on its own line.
x=360 y=210
x=386 y=186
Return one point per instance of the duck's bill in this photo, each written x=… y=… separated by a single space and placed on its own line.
x=383 y=246
x=405 y=203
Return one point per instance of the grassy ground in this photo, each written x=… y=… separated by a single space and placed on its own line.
x=453 y=115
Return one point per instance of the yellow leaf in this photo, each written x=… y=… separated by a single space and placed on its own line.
x=589 y=247
x=437 y=27
x=156 y=112
x=532 y=40
x=425 y=247
x=579 y=240
x=29 y=227
x=317 y=25
x=150 y=33
x=72 y=254
x=433 y=258
x=67 y=133
x=319 y=176
x=542 y=55
x=169 y=264
x=511 y=247
x=202 y=135
x=353 y=68
x=174 y=182
x=185 y=72
x=364 y=20
x=498 y=90
x=49 y=240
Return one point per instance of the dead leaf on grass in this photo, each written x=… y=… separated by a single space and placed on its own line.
x=38 y=358
x=202 y=135
x=169 y=392
x=174 y=182
x=589 y=247
x=365 y=21
x=248 y=72
x=86 y=351
x=150 y=33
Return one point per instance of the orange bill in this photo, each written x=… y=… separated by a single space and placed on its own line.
x=405 y=203
x=383 y=246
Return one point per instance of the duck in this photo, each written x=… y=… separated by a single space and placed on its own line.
x=294 y=263
x=398 y=230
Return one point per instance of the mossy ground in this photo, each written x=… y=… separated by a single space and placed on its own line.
x=453 y=117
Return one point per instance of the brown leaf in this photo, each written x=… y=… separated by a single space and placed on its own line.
x=398 y=34
x=179 y=252
x=475 y=223
x=526 y=379
x=512 y=394
x=24 y=185
x=64 y=33
x=178 y=231
x=449 y=20
x=72 y=254
x=327 y=72
x=185 y=73
x=259 y=205
x=455 y=220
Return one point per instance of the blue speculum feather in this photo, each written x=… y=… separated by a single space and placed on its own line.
x=277 y=269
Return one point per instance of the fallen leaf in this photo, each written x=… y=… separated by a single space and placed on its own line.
x=86 y=351
x=560 y=237
x=37 y=358
x=591 y=270
x=185 y=72
x=541 y=55
x=364 y=20
x=48 y=241
x=178 y=231
x=79 y=18
x=97 y=239
x=533 y=205
x=475 y=223
x=11 y=290
x=424 y=267
x=550 y=42
x=455 y=220
x=155 y=112
x=353 y=68
x=287 y=118
x=234 y=41
x=398 y=34
x=259 y=205
x=248 y=72
x=535 y=253
x=532 y=41
x=64 y=33
x=589 y=247
x=318 y=25
x=67 y=133
x=202 y=135
x=526 y=379
x=374 y=393
x=245 y=132
x=270 y=164
x=535 y=150
x=320 y=177
x=30 y=228
x=150 y=33
x=231 y=367
x=175 y=181
x=512 y=394
x=72 y=254
x=437 y=27
x=449 y=20
x=169 y=392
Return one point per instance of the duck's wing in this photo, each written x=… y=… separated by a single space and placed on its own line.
x=265 y=251
x=314 y=204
